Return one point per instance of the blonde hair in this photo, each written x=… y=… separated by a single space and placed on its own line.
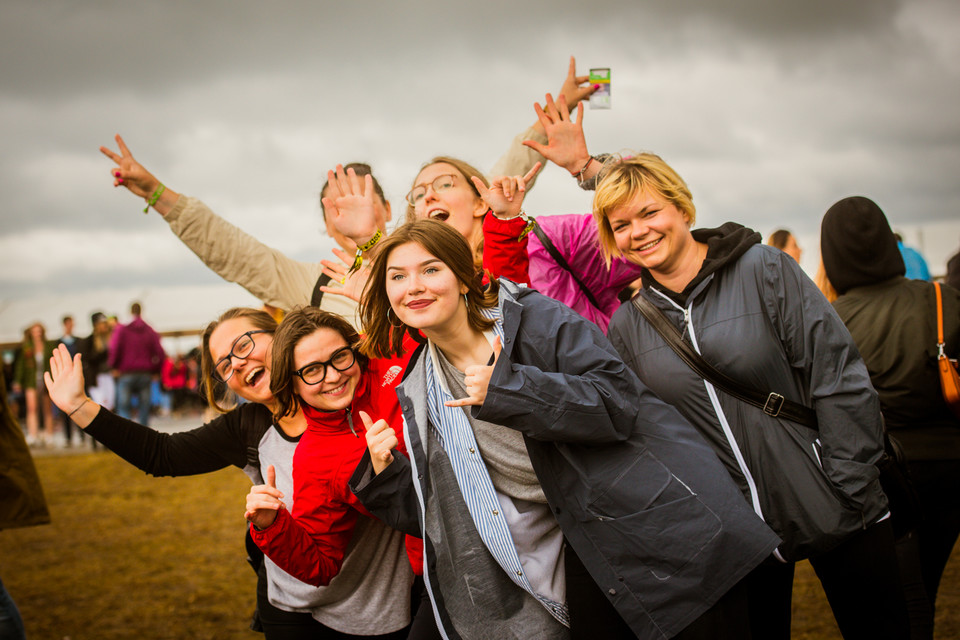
x=625 y=177
x=823 y=283
x=383 y=338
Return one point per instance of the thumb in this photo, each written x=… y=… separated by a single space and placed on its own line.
x=536 y=146
x=367 y=422
x=271 y=477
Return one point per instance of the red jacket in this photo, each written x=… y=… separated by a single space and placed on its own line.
x=310 y=542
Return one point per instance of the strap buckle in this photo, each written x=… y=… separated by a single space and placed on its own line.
x=773 y=404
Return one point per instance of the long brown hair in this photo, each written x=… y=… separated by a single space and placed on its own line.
x=213 y=389
x=297 y=325
x=383 y=338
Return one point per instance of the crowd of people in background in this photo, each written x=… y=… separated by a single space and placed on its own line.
x=125 y=369
x=484 y=424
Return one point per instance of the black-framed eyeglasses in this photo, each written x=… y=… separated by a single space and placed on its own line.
x=316 y=372
x=241 y=348
x=438 y=184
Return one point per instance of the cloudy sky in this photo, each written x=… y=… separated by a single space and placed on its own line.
x=770 y=110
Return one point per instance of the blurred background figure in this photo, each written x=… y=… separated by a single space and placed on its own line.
x=72 y=344
x=136 y=358
x=34 y=359
x=786 y=242
x=953 y=271
x=893 y=321
x=913 y=260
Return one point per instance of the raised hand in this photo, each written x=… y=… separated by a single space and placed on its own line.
x=130 y=174
x=381 y=440
x=351 y=204
x=571 y=90
x=477 y=380
x=65 y=380
x=349 y=283
x=505 y=194
x=566 y=145
x=263 y=501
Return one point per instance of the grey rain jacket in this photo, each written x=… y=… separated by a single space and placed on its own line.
x=641 y=497
x=754 y=315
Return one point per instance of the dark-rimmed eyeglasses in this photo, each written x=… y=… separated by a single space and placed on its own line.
x=241 y=348
x=316 y=372
x=439 y=185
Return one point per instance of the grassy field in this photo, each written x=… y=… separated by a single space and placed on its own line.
x=130 y=556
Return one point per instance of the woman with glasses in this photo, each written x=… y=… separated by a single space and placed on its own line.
x=317 y=373
x=235 y=357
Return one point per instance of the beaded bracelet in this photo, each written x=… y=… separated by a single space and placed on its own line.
x=155 y=197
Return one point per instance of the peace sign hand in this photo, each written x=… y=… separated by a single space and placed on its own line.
x=130 y=174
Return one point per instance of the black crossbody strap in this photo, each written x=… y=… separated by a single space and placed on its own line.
x=772 y=403
x=560 y=260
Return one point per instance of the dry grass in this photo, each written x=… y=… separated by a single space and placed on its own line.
x=129 y=556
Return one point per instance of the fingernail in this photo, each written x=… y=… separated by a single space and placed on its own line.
x=116 y=174
x=596 y=86
x=119 y=182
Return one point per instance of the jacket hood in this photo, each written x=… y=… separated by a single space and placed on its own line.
x=725 y=245
x=857 y=245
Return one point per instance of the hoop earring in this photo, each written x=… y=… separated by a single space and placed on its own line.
x=389 y=321
x=466 y=301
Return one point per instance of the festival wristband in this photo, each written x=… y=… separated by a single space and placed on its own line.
x=155 y=197
x=366 y=246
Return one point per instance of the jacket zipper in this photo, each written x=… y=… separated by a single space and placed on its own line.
x=721 y=416
x=350 y=422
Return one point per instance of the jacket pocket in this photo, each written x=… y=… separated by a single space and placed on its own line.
x=662 y=539
x=648 y=518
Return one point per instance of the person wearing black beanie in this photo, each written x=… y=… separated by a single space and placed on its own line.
x=857 y=245
x=893 y=322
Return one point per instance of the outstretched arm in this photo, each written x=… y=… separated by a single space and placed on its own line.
x=520 y=157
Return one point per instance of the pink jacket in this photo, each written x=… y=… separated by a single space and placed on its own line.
x=575 y=238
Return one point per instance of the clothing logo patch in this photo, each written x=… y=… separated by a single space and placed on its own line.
x=391 y=375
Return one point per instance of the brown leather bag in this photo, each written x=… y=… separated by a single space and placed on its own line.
x=949 y=379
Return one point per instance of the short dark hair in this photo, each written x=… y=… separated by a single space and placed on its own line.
x=135 y=309
x=297 y=325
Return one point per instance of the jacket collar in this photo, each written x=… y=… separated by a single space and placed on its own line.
x=337 y=421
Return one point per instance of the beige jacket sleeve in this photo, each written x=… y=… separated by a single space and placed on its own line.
x=239 y=257
x=519 y=158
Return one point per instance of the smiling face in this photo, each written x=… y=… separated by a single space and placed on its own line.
x=651 y=232
x=459 y=206
x=336 y=390
x=423 y=291
x=251 y=376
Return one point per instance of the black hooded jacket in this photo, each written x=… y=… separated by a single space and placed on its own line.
x=753 y=314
